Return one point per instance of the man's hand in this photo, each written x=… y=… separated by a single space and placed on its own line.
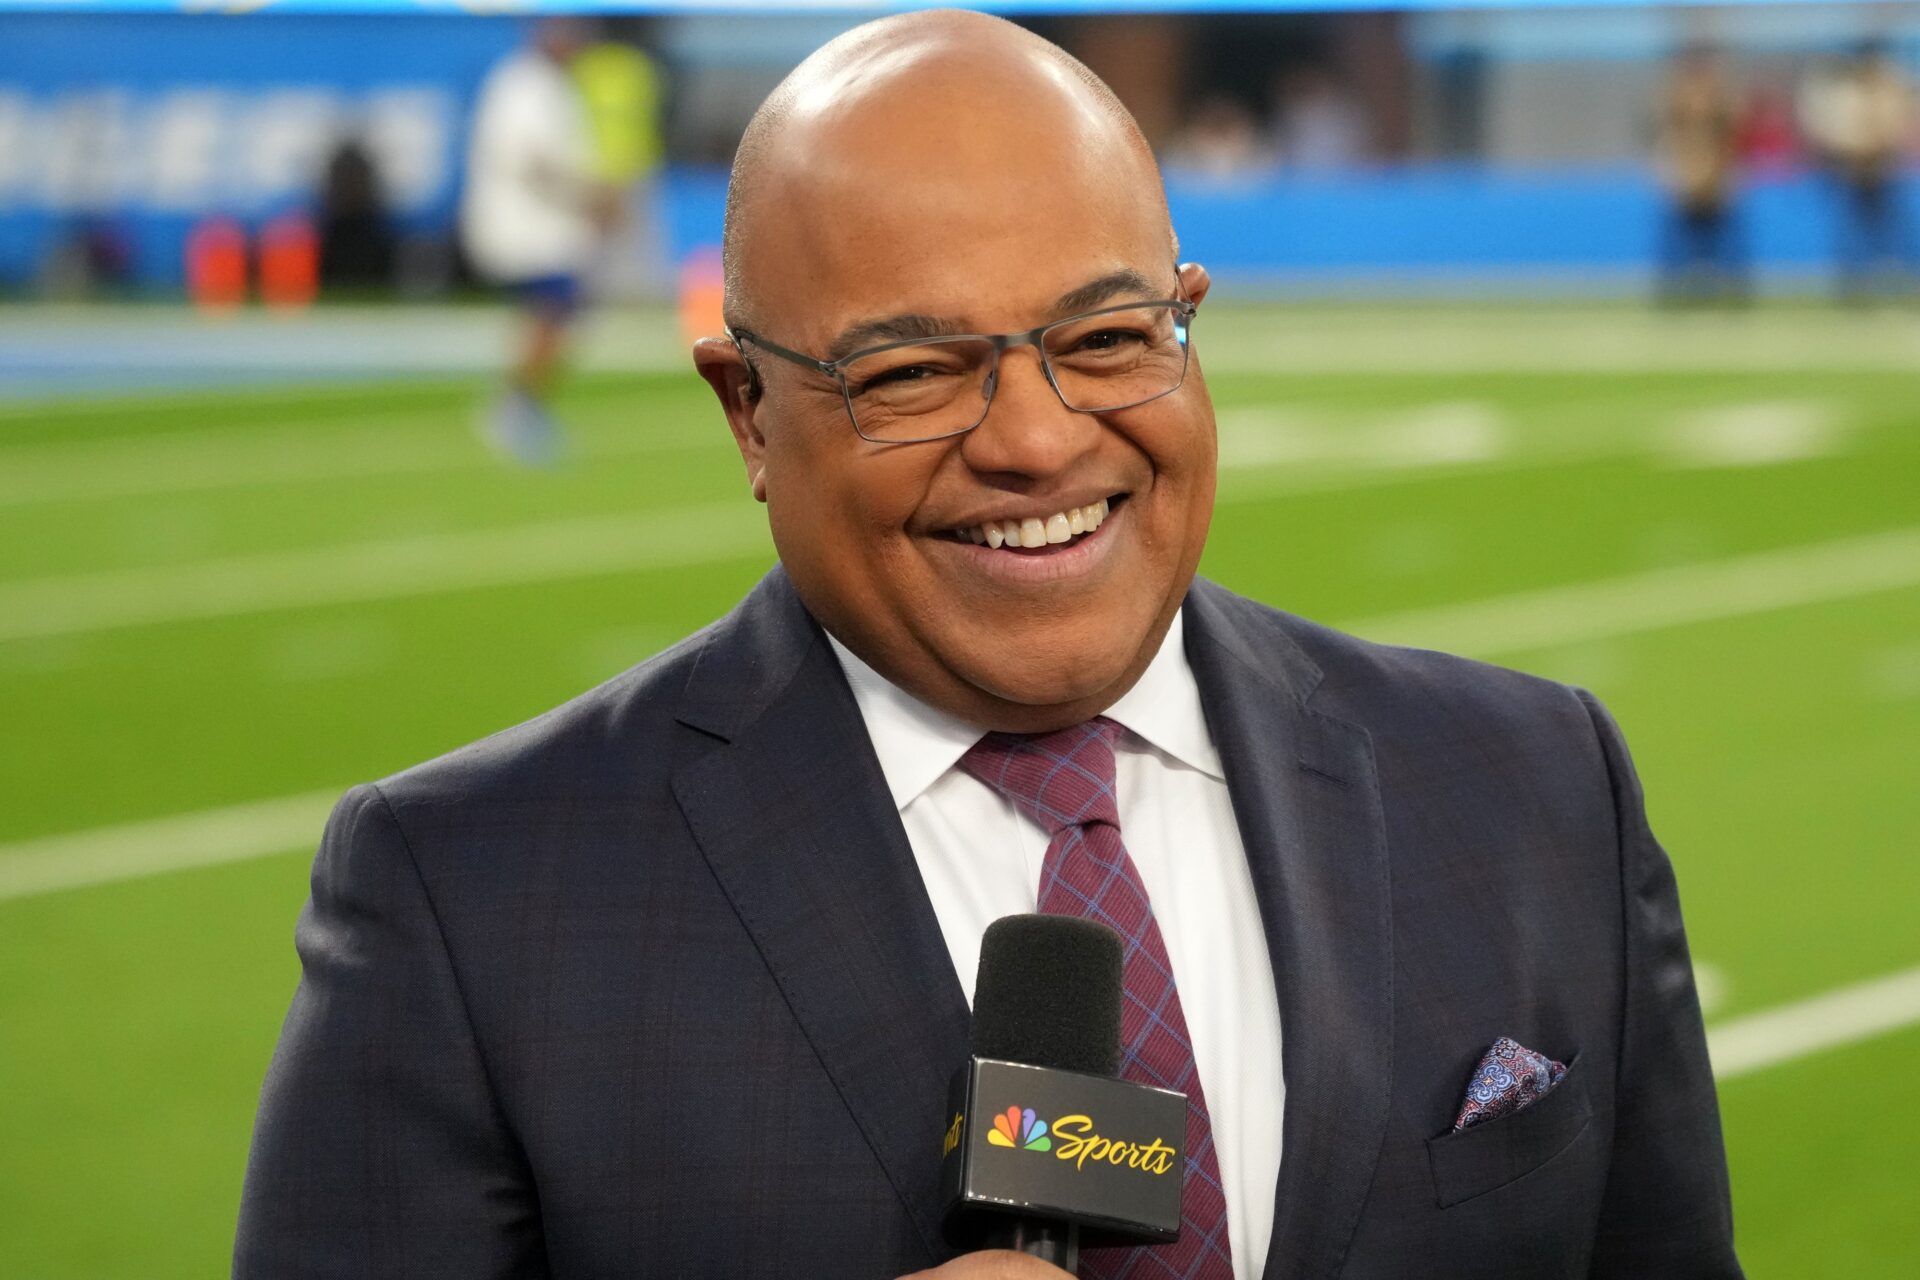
x=993 y=1264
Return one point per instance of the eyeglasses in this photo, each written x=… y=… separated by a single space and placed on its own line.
x=920 y=389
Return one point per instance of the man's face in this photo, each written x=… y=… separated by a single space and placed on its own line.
x=984 y=237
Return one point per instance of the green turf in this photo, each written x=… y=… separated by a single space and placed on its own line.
x=135 y=1018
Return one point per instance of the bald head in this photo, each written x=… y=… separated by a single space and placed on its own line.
x=920 y=182
x=967 y=100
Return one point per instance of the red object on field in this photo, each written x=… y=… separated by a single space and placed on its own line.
x=289 y=262
x=217 y=264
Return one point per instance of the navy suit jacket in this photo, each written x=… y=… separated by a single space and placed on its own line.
x=650 y=986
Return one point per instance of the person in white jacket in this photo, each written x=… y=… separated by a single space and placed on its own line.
x=533 y=216
x=1861 y=118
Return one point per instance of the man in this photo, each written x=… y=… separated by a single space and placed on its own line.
x=1861 y=119
x=671 y=980
x=532 y=217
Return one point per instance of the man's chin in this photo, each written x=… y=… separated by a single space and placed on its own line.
x=1032 y=684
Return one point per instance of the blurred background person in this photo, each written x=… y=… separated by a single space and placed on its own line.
x=357 y=241
x=1323 y=129
x=533 y=216
x=624 y=90
x=1220 y=141
x=1697 y=141
x=1860 y=115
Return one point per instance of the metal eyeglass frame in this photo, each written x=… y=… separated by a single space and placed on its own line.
x=836 y=369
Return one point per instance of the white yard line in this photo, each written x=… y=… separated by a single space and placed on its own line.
x=131 y=850
x=1507 y=624
x=718 y=532
x=76 y=604
x=1637 y=602
x=246 y=457
x=400 y=568
x=244 y=832
x=1826 y=1021
x=1659 y=598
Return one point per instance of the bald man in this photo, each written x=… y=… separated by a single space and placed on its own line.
x=671 y=981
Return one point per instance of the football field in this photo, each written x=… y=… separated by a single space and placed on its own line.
x=220 y=607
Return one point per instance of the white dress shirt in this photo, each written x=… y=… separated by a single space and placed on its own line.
x=980 y=858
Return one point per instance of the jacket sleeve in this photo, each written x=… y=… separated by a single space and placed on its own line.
x=1667 y=1211
x=379 y=1149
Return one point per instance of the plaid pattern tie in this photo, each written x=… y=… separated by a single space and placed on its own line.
x=1065 y=782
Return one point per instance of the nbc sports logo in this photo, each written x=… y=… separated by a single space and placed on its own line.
x=1017 y=1127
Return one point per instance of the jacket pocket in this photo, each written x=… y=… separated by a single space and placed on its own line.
x=1493 y=1153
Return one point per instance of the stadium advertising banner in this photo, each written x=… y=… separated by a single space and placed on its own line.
x=120 y=132
x=154 y=121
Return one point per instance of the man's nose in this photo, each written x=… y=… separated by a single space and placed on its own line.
x=1028 y=430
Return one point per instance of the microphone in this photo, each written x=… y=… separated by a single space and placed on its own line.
x=1045 y=1150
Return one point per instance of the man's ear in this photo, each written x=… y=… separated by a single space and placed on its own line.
x=1195 y=281
x=727 y=372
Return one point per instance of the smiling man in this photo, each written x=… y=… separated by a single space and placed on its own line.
x=948 y=176
x=670 y=981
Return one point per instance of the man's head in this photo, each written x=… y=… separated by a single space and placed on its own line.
x=950 y=173
x=564 y=38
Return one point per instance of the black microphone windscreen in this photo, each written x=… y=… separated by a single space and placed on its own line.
x=1048 y=994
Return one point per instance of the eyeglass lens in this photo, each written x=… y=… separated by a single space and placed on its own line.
x=941 y=387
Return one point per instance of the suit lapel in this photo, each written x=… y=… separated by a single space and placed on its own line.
x=795 y=820
x=1307 y=801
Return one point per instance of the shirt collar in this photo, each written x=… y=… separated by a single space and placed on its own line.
x=1163 y=707
x=918 y=743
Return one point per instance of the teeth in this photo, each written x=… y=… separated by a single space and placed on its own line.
x=1059 y=527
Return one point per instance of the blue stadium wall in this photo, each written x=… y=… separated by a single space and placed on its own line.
x=104 y=87
x=1443 y=229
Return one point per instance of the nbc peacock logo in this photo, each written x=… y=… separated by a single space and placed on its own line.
x=1018 y=1127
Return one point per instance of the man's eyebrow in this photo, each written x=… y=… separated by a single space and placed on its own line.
x=872 y=333
x=1106 y=289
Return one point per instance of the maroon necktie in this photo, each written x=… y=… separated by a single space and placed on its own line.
x=1065 y=782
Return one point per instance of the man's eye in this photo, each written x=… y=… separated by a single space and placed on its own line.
x=1108 y=340
x=903 y=376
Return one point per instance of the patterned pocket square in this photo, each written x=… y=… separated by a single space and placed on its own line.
x=1509 y=1078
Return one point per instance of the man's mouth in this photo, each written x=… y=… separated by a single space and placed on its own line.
x=1037 y=532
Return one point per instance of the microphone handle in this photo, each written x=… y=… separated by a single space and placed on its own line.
x=1055 y=1242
